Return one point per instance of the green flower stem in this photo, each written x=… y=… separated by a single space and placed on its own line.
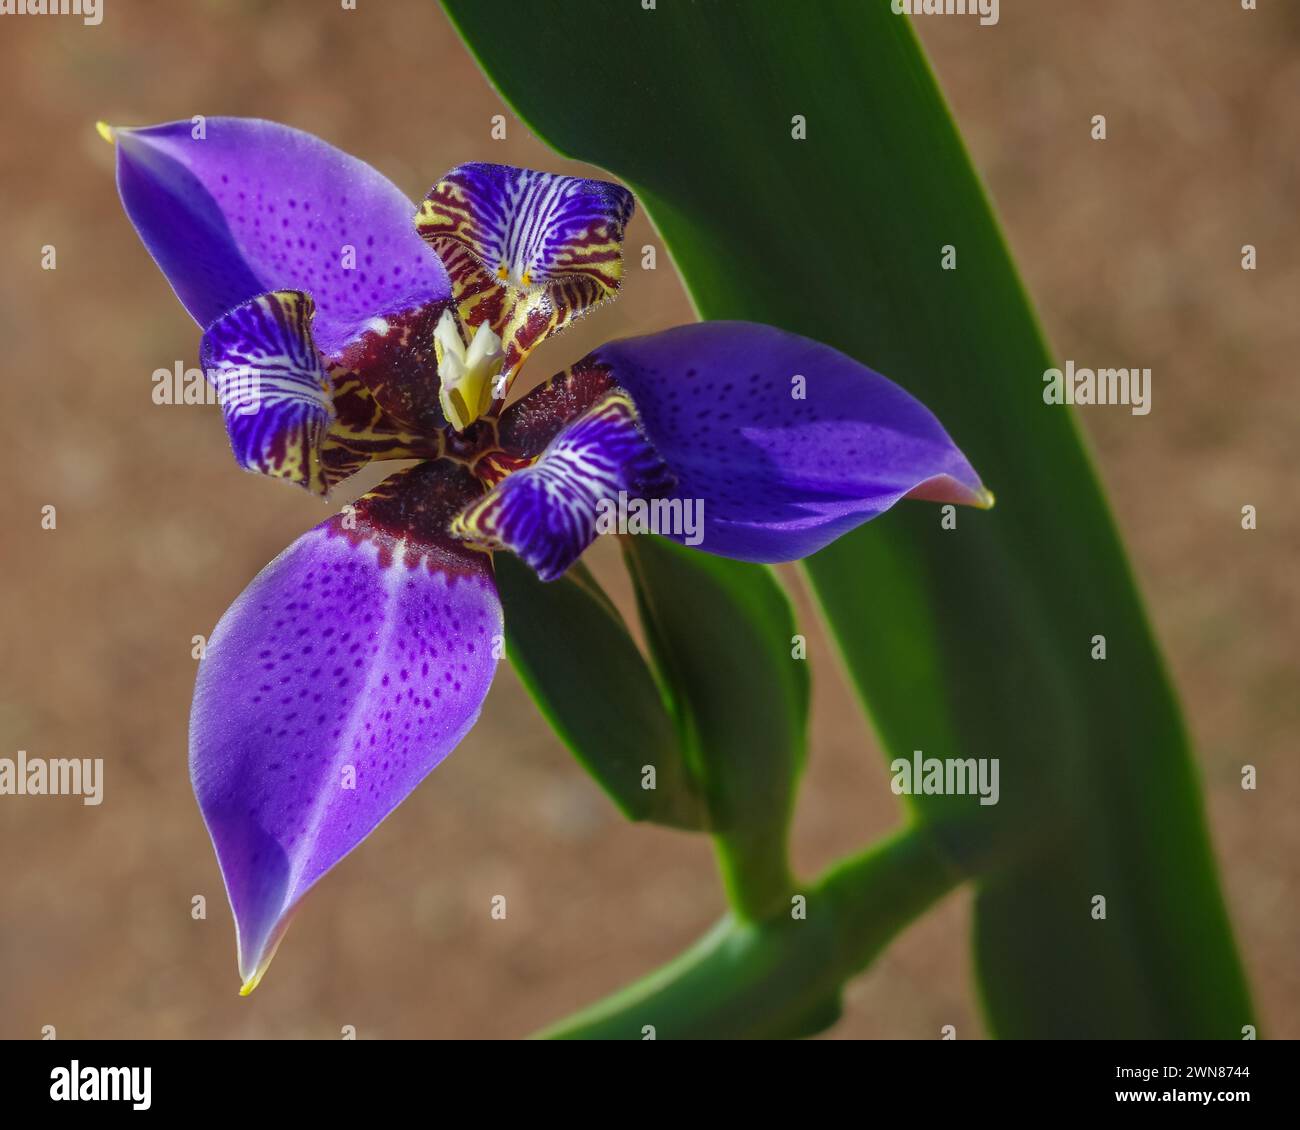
x=755 y=868
x=782 y=976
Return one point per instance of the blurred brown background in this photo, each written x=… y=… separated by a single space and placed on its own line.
x=1131 y=249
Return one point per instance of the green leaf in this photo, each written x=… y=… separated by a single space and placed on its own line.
x=721 y=635
x=573 y=653
x=971 y=642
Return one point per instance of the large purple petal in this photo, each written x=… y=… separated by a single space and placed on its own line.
x=548 y=512
x=253 y=206
x=349 y=668
x=786 y=442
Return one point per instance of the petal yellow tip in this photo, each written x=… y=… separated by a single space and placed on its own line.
x=984 y=500
x=267 y=956
x=105 y=131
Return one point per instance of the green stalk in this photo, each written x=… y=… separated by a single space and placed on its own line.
x=780 y=977
x=755 y=869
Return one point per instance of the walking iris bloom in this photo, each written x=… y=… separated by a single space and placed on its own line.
x=372 y=329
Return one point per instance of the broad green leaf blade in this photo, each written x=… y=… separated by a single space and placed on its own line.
x=971 y=642
x=573 y=653
x=721 y=634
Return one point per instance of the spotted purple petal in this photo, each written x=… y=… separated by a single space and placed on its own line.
x=349 y=668
x=527 y=251
x=231 y=208
x=547 y=513
x=786 y=442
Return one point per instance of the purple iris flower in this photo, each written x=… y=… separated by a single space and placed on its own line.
x=344 y=324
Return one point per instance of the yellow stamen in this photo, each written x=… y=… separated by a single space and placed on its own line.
x=467 y=373
x=105 y=131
